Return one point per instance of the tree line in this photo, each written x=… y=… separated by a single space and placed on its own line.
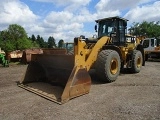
x=15 y=38
x=148 y=29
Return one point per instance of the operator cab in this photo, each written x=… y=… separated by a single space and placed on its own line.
x=114 y=27
x=149 y=43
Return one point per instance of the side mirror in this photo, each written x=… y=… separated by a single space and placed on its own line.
x=95 y=27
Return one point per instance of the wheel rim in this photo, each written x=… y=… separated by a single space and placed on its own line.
x=139 y=62
x=114 y=66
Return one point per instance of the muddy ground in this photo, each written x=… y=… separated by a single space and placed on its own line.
x=130 y=97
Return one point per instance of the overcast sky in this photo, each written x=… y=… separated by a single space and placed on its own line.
x=66 y=19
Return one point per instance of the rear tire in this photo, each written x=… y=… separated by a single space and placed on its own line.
x=137 y=61
x=108 y=65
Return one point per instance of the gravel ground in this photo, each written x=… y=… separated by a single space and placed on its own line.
x=130 y=97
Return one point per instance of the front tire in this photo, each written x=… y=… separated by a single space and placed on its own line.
x=108 y=65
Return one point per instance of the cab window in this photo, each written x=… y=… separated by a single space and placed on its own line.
x=146 y=43
x=152 y=42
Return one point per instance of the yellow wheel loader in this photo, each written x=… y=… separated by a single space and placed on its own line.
x=60 y=78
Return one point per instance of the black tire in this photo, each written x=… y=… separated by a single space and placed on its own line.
x=137 y=61
x=108 y=65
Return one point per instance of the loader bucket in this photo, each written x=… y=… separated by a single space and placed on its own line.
x=55 y=77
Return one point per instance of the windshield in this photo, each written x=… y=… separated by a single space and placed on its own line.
x=105 y=28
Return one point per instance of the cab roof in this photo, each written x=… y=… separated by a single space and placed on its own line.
x=109 y=18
